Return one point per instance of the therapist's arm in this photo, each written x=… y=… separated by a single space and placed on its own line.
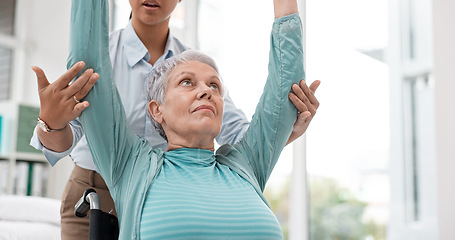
x=58 y=105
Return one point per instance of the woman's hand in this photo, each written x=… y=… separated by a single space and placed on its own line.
x=60 y=100
x=306 y=103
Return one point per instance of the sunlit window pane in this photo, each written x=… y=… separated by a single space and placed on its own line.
x=5 y=72
x=419 y=142
x=7 y=16
x=348 y=141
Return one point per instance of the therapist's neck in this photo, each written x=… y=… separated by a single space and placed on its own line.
x=154 y=37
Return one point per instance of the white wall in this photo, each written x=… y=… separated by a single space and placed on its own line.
x=43 y=36
x=444 y=73
x=44 y=27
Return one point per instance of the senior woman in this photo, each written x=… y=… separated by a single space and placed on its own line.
x=188 y=192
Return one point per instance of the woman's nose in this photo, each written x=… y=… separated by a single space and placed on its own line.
x=205 y=92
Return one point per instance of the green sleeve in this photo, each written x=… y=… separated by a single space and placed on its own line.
x=104 y=121
x=273 y=120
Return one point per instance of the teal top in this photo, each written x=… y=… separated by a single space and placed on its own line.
x=128 y=163
x=195 y=197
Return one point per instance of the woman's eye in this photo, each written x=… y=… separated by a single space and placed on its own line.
x=214 y=86
x=185 y=82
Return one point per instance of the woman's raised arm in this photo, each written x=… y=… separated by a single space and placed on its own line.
x=104 y=121
x=275 y=114
x=284 y=7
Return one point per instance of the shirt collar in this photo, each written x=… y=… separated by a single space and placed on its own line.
x=136 y=50
x=170 y=46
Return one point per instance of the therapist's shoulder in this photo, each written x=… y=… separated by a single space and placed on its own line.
x=176 y=45
x=114 y=37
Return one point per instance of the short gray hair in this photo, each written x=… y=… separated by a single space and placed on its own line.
x=157 y=83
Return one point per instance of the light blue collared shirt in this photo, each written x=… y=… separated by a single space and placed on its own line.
x=129 y=58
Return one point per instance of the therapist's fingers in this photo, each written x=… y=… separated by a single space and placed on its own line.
x=299 y=103
x=87 y=86
x=310 y=99
x=310 y=91
x=78 y=84
x=41 y=78
x=63 y=81
x=57 y=105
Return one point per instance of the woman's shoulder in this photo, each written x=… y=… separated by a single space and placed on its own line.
x=233 y=157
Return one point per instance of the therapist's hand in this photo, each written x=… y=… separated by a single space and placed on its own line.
x=306 y=103
x=60 y=101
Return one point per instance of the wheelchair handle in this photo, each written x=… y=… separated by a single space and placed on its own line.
x=89 y=200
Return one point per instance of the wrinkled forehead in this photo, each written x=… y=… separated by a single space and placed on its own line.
x=196 y=69
x=193 y=68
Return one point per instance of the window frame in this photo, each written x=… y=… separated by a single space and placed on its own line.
x=412 y=148
x=10 y=42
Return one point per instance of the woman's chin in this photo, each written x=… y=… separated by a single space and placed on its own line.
x=207 y=126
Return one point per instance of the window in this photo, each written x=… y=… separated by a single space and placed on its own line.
x=348 y=141
x=7 y=8
x=413 y=158
x=5 y=72
x=418 y=103
x=419 y=140
x=7 y=13
x=120 y=12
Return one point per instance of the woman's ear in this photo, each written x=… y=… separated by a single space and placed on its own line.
x=155 y=111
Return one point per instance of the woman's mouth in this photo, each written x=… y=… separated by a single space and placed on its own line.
x=204 y=108
x=151 y=5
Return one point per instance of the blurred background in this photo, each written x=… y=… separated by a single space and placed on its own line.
x=377 y=161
